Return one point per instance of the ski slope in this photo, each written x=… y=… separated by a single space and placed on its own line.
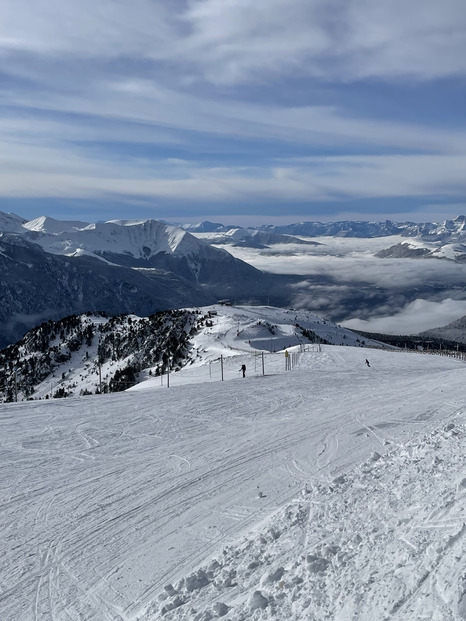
x=331 y=491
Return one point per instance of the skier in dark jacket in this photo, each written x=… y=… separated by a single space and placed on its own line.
x=243 y=369
x=367 y=363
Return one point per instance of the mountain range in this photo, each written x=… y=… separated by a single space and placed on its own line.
x=429 y=231
x=50 y=268
x=446 y=240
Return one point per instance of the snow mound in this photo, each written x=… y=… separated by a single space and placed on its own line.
x=384 y=541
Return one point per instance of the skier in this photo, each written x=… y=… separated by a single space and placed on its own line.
x=243 y=370
x=367 y=363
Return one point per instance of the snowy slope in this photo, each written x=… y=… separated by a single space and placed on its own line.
x=10 y=223
x=456 y=330
x=331 y=491
x=133 y=243
x=51 y=226
x=91 y=353
x=116 y=237
x=154 y=246
x=418 y=248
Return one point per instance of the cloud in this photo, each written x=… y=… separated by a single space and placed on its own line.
x=352 y=39
x=236 y=41
x=343 y=280
x=351 y=261
x=87 y=87
x=56 y=169
x=416 y=317
x=109 y=29
x=85 y=94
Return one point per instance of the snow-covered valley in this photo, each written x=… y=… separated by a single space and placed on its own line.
x=330 y=491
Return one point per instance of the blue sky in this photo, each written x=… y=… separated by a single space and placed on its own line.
x=233 y=111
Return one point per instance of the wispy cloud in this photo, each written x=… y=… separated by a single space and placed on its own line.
x=106 y=99
x=340 y=39
x=34 y=170
x=233 y=41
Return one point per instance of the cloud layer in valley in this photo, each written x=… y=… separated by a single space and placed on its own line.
x=344 y=280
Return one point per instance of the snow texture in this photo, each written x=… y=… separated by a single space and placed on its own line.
x=332 y=491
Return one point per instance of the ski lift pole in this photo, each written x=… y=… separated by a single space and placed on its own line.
x=263 y=368
x=221 y=366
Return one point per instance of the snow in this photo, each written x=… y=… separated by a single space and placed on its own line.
x=331 y=491
x=45 y=224
x=10 y=222
x=248 y=334
x=450 y=251
x=231 y=332
x=118 y=236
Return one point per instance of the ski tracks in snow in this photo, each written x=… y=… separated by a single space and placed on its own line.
x=110 y=499
x=385 y=541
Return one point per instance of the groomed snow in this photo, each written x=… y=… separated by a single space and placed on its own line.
x=331 y=491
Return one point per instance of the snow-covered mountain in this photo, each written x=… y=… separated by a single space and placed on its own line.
x=91 y=353
x=140 y=244
x=330 y=491
x=418 y=248
x=447 y=230
x=11 y=223
x=454 y=331
x=206 y=227
x=54 y=268
x=51 y=268
x=37 y=286
x=251 y=238
x=51 y=226
x=446 y=240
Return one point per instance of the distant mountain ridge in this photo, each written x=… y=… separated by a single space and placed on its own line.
x=253 y=238
x=427 y=240
x=138 y=244
x=447 y=229
x=429 y=231
x=454 y=229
